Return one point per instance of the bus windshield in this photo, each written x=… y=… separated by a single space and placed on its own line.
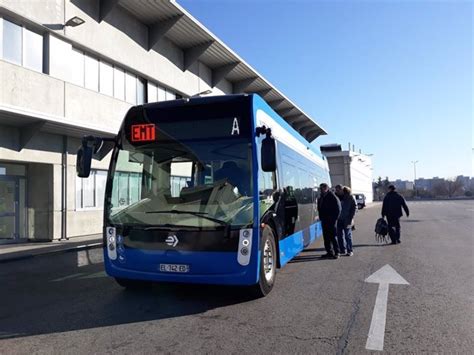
x=199 y=183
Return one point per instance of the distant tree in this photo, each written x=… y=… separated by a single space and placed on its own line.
x=439 y=189
x=448 y=187
x=454 y=186
x=377 y=185
x=407 y=193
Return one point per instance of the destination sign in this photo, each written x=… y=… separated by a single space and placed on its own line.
x=142 y=132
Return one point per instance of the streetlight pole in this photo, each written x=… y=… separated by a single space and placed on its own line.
x=414 y=170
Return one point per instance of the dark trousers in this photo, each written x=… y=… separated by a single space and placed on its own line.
x=329 y=236
x=394 y=228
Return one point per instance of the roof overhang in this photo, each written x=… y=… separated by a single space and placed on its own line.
x=30 y=123
x=169 y=19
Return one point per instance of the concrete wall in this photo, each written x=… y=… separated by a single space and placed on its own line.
x=353 y=170
x=43 y=148
x=361 y=177
x=43 y=11
x=339 y=173
x=28 y=89
x=97 y=110
x=40 y=201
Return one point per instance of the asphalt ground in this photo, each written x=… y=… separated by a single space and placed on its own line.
x=64 y=303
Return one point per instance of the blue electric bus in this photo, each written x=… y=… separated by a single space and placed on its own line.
x=214 y=190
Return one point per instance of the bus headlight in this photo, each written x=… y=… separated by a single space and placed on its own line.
x=111 y=243
x=245 y=246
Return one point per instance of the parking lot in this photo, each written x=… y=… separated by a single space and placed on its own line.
x=66 y=304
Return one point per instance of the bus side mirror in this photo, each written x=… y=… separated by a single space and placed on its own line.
x=268 y=154
x=83 y=161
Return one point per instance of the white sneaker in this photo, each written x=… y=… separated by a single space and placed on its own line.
x=349 y=253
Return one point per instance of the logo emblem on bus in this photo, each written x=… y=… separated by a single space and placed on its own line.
x=172 y=240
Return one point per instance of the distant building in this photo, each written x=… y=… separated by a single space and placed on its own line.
x=349 y=168
x=403 y=184
x=428 y=184
x=423 y=184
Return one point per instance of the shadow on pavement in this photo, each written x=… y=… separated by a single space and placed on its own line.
x=54 y=295
x=375 y=245
x=313 y=249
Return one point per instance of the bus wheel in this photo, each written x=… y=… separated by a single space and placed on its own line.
x=132 y=284
x=268 y=263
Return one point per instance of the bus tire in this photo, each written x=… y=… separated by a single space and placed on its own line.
x=268 y=263
x=132 y=284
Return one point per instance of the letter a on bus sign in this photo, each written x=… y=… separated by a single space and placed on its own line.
x=142 y=132
x=235 y=128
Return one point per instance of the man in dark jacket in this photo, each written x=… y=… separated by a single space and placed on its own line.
x=329 y=208
x=392 y=209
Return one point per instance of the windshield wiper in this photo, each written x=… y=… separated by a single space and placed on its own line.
x=199 y=214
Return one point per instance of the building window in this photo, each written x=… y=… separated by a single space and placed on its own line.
x=119 y=83
x=106 y=79
x=91 y=73
x=130 y=88
x=21 y=46
x=12 y=42
x=152 y=93
x=161 y=94
x=158 y=93
x=77 y=64
x=170 y=95
x=140 y=91
x=32 y=50
x=90 y=191
x=60 y=64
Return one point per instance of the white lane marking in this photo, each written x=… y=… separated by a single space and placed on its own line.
x=384 y=277
x=5 y=335
x=72 y=276
x=94 y=275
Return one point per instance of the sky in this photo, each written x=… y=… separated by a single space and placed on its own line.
x=394 y=78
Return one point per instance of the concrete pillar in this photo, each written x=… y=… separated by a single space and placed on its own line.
x=40 y=202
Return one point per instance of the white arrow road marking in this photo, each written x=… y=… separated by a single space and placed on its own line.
x=384 y=276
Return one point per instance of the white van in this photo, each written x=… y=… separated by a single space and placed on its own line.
x=360 y=199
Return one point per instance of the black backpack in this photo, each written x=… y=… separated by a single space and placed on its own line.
x=381 y=231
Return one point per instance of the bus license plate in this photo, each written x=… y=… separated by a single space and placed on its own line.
x=181 y=268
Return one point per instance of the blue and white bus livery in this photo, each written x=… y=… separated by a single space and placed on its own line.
x=214 y=190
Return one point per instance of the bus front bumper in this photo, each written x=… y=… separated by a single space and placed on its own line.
x=219 y=268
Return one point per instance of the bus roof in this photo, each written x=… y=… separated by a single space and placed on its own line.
x=259 y=101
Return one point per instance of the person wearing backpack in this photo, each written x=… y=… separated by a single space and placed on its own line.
x=392 y=206
x=329 y=208
x=345 y=220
